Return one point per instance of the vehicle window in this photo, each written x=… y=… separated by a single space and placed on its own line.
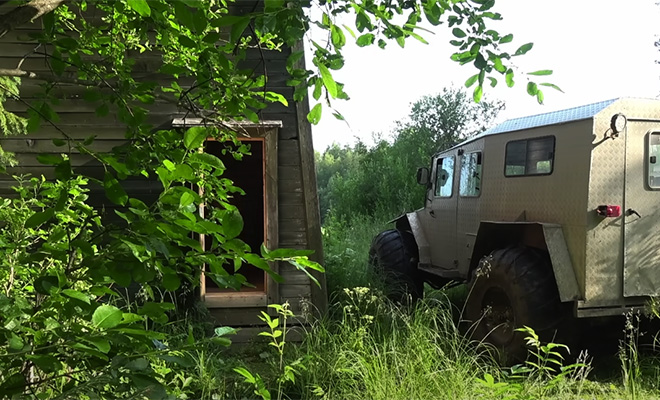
x=444 y=177
x=470 y=183
x=530 y=157
x=654 y=160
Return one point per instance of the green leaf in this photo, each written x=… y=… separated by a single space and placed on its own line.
x=59 y=142
x=171 y=282
x=45 y=362
x=539 y=96
x=102 y=344
x=478 y=93
x=532 y=88
x=337 y=36
x=208 y=159
x=15 y=342
x=225 y=330
x=523 y=49
x=140 y=6
x=471 y=80
x=246 y=374
x=74 y=294
x=185 y=41
x=63 y=170
x=273 y=5
x=139 y=364
x=49 y=159
x=39 y=218
x=238 y=28
x=314 y=115
x=13 y=384
x=498 y=65
x=195 y=137
x=509 y=78
x=366 y=39
x=541 y=72
x=551 y=85
x=106 y=317
x=506 y=39
x=459 y=33
x=328 y=81
x=113 y=190
x=232 y=223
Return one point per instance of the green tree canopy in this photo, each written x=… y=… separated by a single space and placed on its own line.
x=65 y=331
x=380 y=180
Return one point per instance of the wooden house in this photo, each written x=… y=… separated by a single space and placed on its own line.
x=280 y=207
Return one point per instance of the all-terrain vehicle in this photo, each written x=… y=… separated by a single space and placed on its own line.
x=546 y=217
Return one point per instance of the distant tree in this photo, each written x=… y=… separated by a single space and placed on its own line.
x=445 y=119
x=380 y=180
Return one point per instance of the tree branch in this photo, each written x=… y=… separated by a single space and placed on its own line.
x=26 y=13
x=20 y=73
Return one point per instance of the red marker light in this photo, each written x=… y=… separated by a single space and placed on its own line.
x=609 y=211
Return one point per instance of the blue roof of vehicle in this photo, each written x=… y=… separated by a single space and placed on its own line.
x=551 y=118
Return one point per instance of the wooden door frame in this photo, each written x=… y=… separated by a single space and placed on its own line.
x=266 y=132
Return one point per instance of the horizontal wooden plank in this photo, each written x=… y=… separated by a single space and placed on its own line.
x=290 y=185
x=291 y=212
x=28 y=145
x=289 y=172
x=67 y=119
x=78 y=132
x=293 y=237
x=289 y=156
x=237 y=316
x=287 y=198
x=77 y=160
x=293 y=225
x=235 y=300
x=294 y=246
x=249 y=316
x=77 y=105
x=294 y=291
x=298 y=278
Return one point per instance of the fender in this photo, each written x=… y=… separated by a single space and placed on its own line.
x=410 y=222
x=495 y=235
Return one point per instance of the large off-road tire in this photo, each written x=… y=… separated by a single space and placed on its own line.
x=393 y=260
x=512 y=288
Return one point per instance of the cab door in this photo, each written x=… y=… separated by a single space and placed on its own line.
x=439 y=215
x=641 y=215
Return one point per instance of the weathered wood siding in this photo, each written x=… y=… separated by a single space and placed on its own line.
x=299 y=223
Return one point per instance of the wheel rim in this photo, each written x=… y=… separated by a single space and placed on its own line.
x=498 y=316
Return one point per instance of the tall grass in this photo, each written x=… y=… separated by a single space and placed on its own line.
x=370 y=348
x=346 y=249
x=377 y=350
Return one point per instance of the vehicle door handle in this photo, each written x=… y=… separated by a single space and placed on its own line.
x=630 y=212
x=432 y=213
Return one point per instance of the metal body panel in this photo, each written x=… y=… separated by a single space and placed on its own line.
x=641 y=257
x=438 y=219
x=423 y=247
x=561 y=263
x=617 y=178
x=606 y=263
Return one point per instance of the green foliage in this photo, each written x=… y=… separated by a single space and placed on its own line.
x=380 y=180
x=83 y=310
x=10 y=124
x=285 y=372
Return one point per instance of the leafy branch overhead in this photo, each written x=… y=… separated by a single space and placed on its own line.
x=70 y=324
x=201 y=40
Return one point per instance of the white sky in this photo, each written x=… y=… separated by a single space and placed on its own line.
x=598 y=49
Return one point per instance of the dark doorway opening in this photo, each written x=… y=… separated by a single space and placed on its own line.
x=249 y=175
